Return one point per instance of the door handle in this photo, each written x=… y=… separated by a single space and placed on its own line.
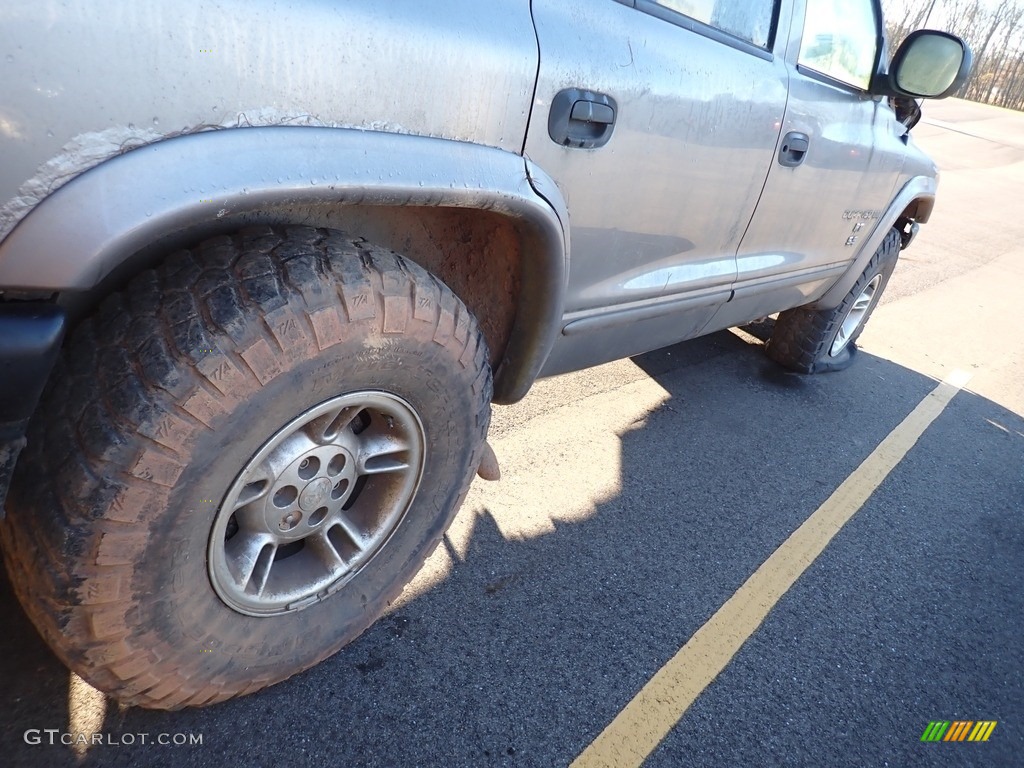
x=586 y=111
x=794 y=149
x=581 y=119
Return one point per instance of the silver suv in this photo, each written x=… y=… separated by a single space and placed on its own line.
x=298 y=255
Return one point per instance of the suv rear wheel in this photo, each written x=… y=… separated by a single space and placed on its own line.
x=241 y=461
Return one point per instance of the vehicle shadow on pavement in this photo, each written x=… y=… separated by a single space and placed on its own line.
x=530 y=645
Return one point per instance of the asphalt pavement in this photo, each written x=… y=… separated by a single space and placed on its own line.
x=636 y=499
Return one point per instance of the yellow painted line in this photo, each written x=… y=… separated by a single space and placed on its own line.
x=988 y=731
x=638 y=729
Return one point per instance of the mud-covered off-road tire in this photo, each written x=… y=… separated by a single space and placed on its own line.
x=802 y=339
x=158 y=402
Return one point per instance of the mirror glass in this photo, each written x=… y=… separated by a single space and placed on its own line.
x=929 y=65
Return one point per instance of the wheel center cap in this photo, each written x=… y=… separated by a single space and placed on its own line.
x=314 y=494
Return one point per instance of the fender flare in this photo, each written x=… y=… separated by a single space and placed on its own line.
x=918 y=189
x=79 y=234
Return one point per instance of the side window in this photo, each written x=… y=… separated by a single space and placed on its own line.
x=750 y=21
x=840 y=40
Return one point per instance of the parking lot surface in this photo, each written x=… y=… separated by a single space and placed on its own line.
x=637 y=499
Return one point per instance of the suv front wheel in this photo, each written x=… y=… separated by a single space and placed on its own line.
x=817 y=341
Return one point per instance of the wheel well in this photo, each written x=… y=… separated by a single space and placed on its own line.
x=919 y=210
x=477 y=253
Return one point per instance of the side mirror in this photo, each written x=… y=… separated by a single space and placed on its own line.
x=928 y=65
